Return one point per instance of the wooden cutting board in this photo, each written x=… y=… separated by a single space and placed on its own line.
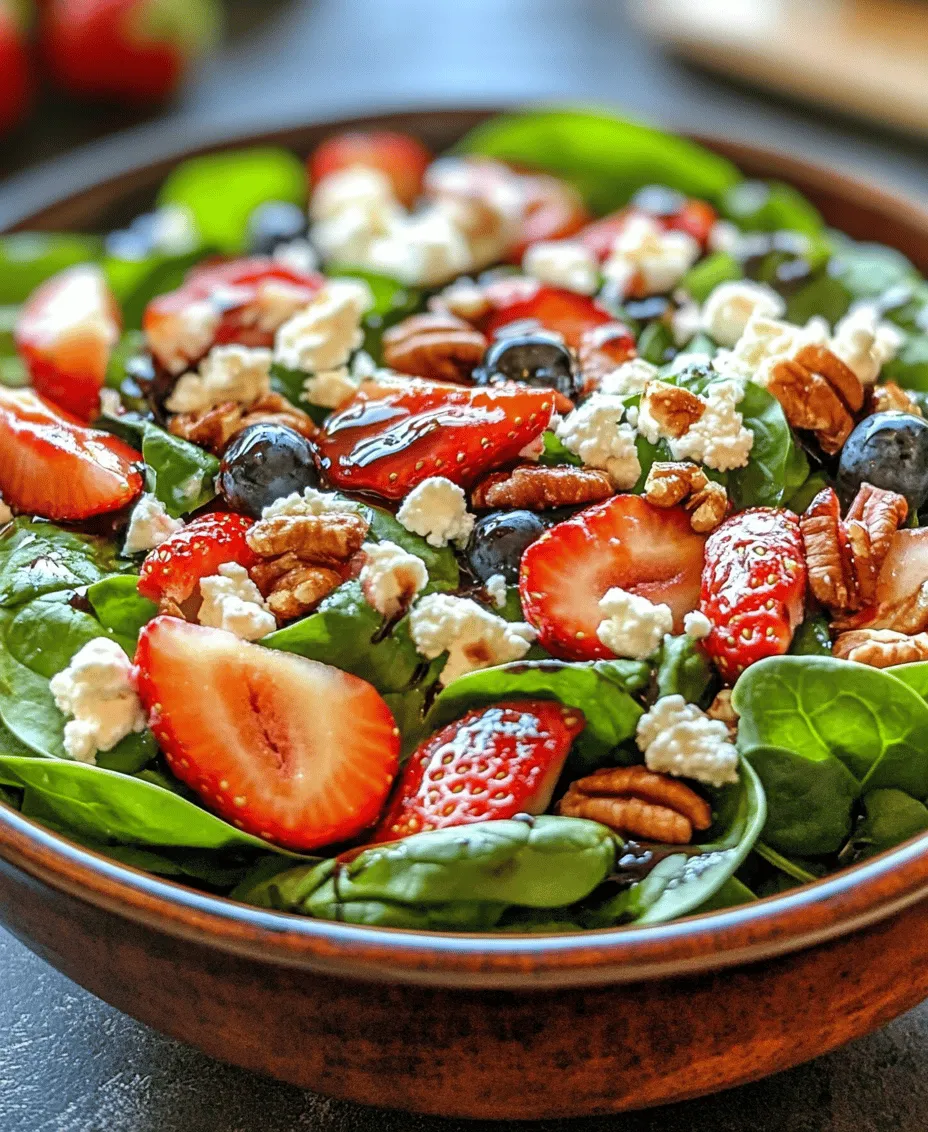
x=868 y=57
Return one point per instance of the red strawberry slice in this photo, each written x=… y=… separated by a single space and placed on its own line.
x=244 y=301
x=696 y=218
x=551 y=308
x=624 y=542
x=65 y=334
x=493 y=763
x=52 y=466
x=753 y=588
x=395 y=434
x=241 y=725
x=554 y=210
x=401 y=158
x=173 y=571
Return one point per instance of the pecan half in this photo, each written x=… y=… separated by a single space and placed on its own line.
x=844 y=558
x=890 y=396
x=217 y=427
x=721 y=709
x=675 y=409
x=634 y=800
x=820 y=394
x=434 y=345
x=533 y=487
x=671 y=482
x=881 y=648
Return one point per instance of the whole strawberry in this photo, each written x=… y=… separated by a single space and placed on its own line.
x=130 y=50
x=15 y=72
x=753 y=588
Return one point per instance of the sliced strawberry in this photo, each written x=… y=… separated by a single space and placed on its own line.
x=753 y=588
x=600 y=236
x=393 y=435
x=554 y=210
x=551 y=308
x=493 y=763
x=697 y=218
x=624 y=542
x=244 y=301
x=51 y=465
x=173 y=571
x=65 y=334
x=401 y=158
x=240 y=725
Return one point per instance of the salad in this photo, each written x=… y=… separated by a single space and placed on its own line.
x=524 y=539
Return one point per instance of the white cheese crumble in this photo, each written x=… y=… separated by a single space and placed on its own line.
x=731 y=306
x=324 y=334
x=765 y=343
x=425 y=249
x=697 y=625
x=309 y=502
x=471 y=635
x=228 y=373
x=355 y=187
x=632 y=626
x=717 y=440
x=232 y=601
x=391 y=578
x=298 y=255
x=865 y=344
x=651 y=256
x=96 y=689
x=149 y=526
x=686 y=321
x=496 y=590
x=174 y=230
x=463 y=297
x=724 y=237
x=679 y=739
x=597 y=434
x=437 y=510
x=629 y=378
x=179 y=338
x=563 y=263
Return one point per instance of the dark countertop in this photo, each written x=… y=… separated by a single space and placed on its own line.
x=68 y=1062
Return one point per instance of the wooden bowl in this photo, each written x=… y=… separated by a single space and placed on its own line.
x=487 y=1026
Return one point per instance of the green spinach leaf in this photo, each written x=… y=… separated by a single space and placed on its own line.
x=776 y=467
x=121 y=609
x=685 y=670
x=890 y=817
x=440 y=561
x=38 y=558
x=771 y=206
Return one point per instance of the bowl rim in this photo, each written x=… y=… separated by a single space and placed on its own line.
x=853 y=899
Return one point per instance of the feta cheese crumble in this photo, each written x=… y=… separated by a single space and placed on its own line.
x=865 y=344
x=471 y=635
x=629 y=378
x=765 y=343
x=232 y=601
x=97 y=691
x=179 y=338
x=563 y=263
x=651 y=256
x=324 y=334
x=597 y=434
x=632 y=625
x=679 y=739
x=309 y=502
x=149 y=526
x=496 y=590
x=717 y=440
x=391 y=578
x=228 y=373
x=437 y=510
x=731 y=306
x=297 y=255
x=697 y=625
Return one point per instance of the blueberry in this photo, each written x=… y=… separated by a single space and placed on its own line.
x=889 y=450
x=264 y=463
x=274 y=223
x=539 y=359
x=498 y=542
x=659 y=200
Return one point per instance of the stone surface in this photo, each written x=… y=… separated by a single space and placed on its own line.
x=69 y=1063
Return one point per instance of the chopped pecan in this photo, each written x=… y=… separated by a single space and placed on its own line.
x=890 y=396
x=636 y=801
x=675 y=409
x=881 y=648
x=721 y=709
x=434 y=345
x=844 y=558
x=533 y=487
x=671 y=482
x=302 y=558
x=218 y=426
x=820 y=394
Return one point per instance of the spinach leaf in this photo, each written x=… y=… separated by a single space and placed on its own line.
x=179 y=474
x=732 y=894
x=600 y=689
x=685 y=670
x=711 y=271
x=605 y=158
x=822 y=296
x=914 y=675
x=29 y=258
x=347 y=632
x=869 y=270
x=803 y=496
x=440 y=561
x=771 y=206
x=909 y=368
x=121 y=609
x=812 y=638
x=135 y=282
x=890 y=817
x=461 y=878
x=776 y=467
x=555 y=452
x=109 y=807
x=790 y=867
x=656 y=344
x=38 y=558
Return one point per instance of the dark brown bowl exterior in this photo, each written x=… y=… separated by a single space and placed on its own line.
x=492 y=1027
